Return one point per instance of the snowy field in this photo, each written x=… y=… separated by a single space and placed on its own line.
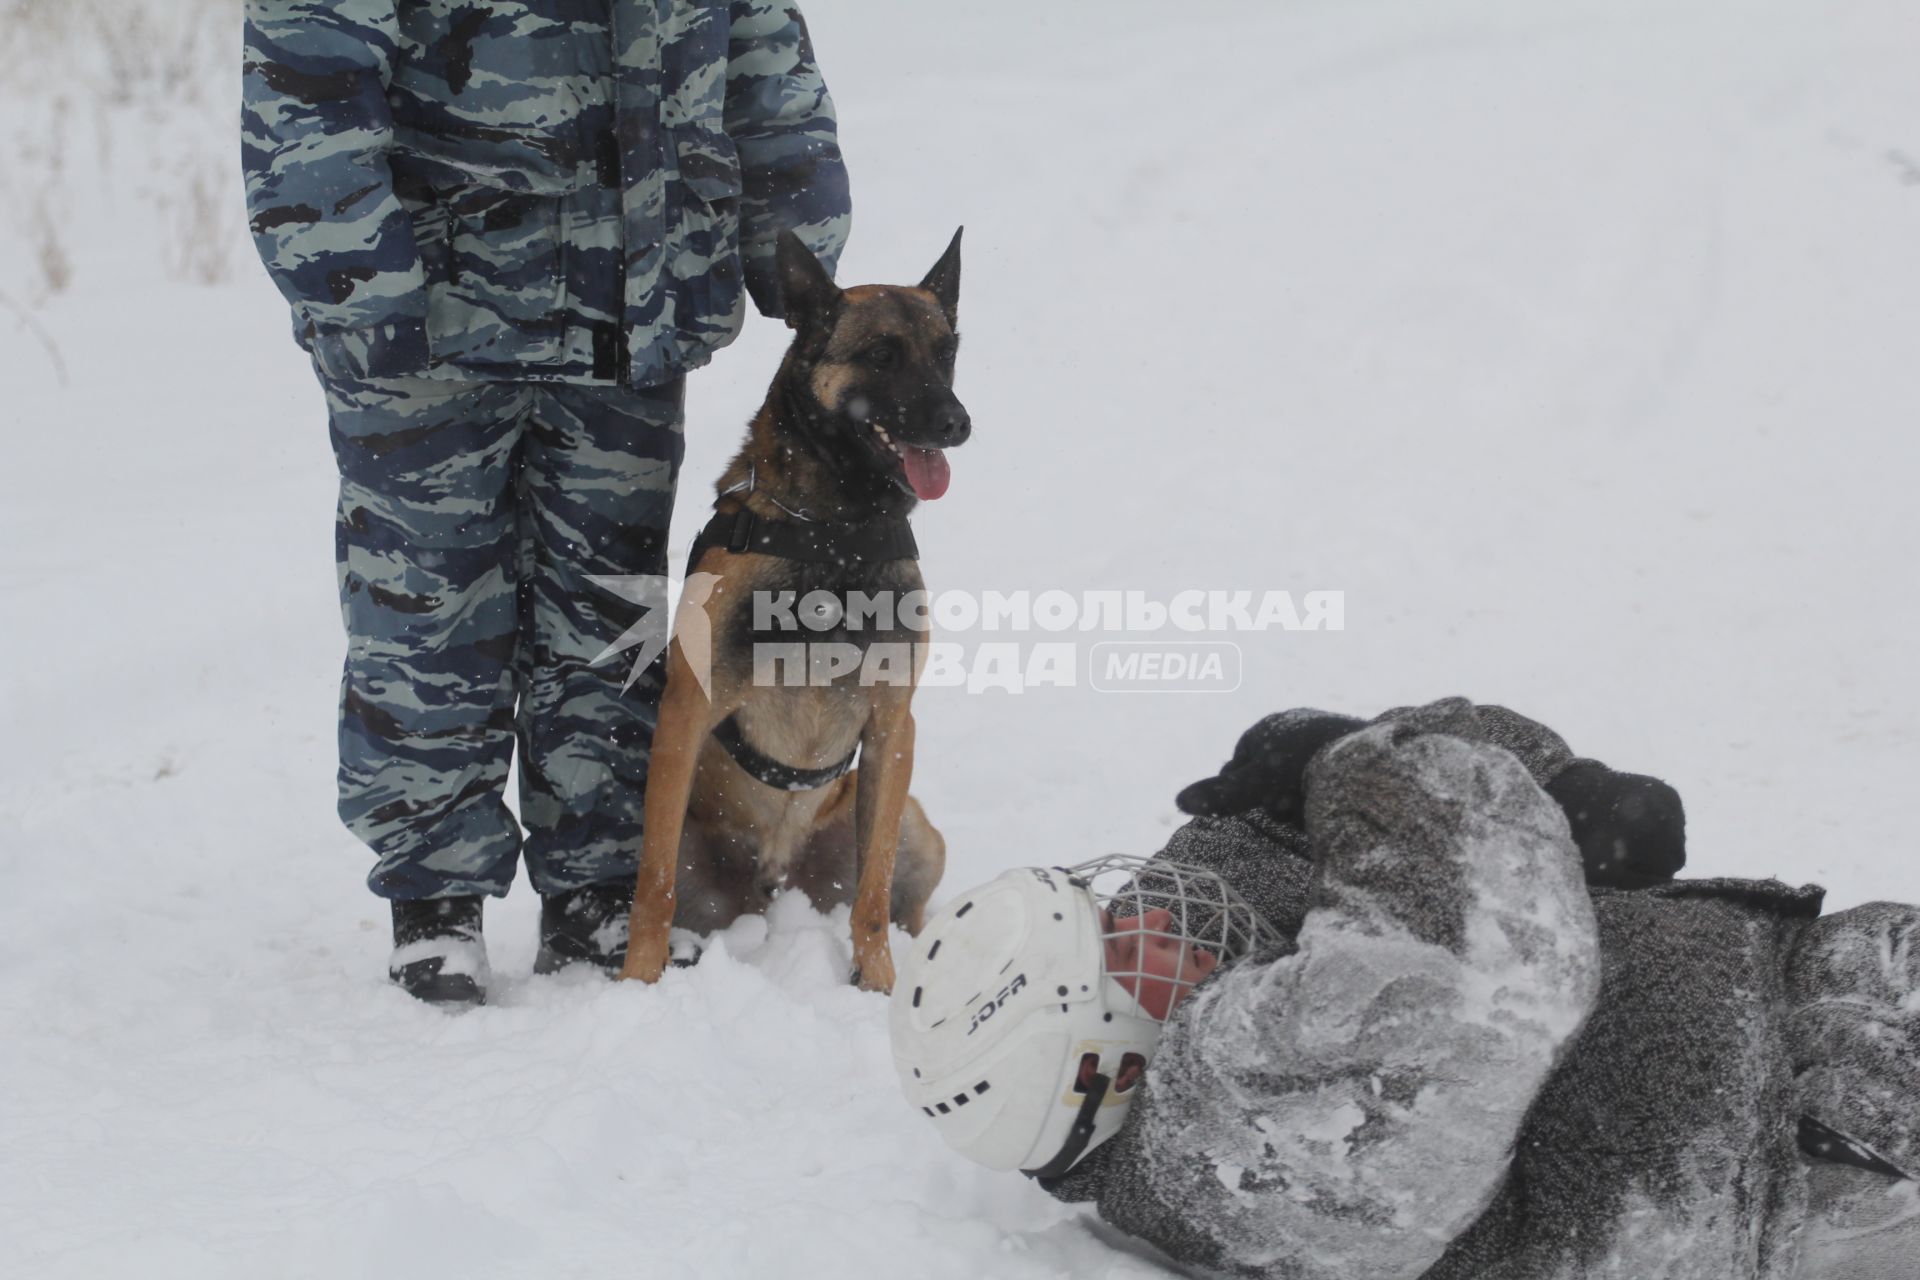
x=1575 y=342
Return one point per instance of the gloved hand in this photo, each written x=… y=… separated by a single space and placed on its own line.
x=1631 y=829
x=1269 y=766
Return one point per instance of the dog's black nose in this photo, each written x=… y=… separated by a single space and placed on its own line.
x=951 y=424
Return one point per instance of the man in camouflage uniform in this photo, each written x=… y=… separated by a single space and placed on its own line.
x=507 y=231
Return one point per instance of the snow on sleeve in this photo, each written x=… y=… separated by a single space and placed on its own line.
x=1348 y=1109
x=1854 y=981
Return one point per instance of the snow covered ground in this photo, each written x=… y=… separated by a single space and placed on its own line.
x=1575 y=343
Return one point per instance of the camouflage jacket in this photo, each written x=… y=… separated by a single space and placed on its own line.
x=570 y=190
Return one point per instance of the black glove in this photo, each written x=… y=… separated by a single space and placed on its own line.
x=1269 y=766
x=1631 y=829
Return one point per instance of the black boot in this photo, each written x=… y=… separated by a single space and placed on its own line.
x=438 y=953
x=585 y=925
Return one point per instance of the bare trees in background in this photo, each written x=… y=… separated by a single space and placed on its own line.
x=120 y=125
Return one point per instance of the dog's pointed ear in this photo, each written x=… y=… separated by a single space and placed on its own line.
x=943 y=282
x=807 y=292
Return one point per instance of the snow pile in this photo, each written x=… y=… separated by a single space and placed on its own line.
x=262 y=1109
x=1574 y=347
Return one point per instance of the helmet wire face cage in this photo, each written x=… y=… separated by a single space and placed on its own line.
x=1028 y=1008
x=1165 y=926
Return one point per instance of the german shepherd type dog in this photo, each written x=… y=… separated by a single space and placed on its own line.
x=749 y=788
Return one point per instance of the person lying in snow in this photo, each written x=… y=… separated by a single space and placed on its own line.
x=1428 y=1035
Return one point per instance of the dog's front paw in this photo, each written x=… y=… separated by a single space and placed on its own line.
x=874 y=972
x=646 y=959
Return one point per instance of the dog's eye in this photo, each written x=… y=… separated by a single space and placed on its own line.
x=880 y=356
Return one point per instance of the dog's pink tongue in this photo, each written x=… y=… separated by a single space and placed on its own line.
x=926 y=471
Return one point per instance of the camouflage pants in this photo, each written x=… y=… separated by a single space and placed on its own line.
x=471 y=516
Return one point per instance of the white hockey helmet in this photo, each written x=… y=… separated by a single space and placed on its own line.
x=1008 y=1030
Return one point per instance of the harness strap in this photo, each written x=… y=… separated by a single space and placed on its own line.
x=781 y=777
x=833 y=542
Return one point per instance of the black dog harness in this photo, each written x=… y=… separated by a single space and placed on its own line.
x=830 y=542
x=837 y=542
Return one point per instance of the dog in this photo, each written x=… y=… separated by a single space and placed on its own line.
x=749 y=788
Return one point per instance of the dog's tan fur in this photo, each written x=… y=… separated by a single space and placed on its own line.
x=718 y=841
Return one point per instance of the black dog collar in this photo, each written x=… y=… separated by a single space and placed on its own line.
x=812 y=541
x=781 y=777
